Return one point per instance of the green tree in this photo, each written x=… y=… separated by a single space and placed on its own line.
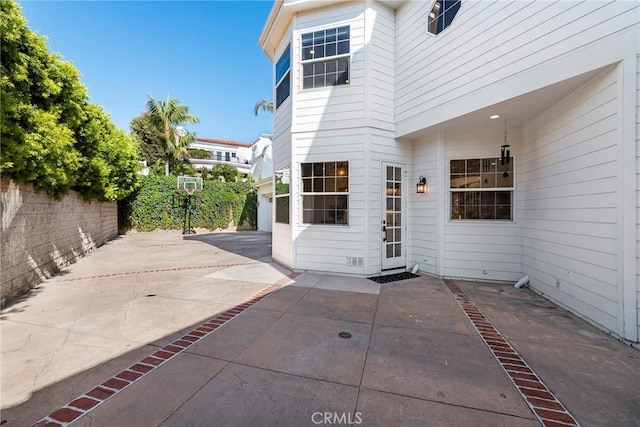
x=52 y=137
x=150 y=138
x=229 y=173
x=169 y=115
x=263 y=105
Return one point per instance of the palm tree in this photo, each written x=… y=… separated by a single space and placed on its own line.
x=263 y=105
x=169 y=115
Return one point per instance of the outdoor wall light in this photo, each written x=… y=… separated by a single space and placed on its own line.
x=421 y=186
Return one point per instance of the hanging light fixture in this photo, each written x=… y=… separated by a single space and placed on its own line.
x=505 y=151
x=421 y=186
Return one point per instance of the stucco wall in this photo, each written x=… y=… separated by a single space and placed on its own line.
x=40 y=235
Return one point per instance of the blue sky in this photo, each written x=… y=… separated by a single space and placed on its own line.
x=205 y=53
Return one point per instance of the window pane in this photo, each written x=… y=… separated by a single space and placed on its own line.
x=342 y=64
x=398 y=205
x=306 y=169
x=458 y=181
x=397 y=191
x=318 y=81
x=473 y=181
x=342 y=168
x=488 y=180
x=389 y=251
x=343 y=47
x=330 y=185
x=331 y=66
x=283 y=64
x=330 y=169
x=307 y=39
x=342 y=184
x=489 y=165
x=307 y=202
x=318 y=203
x=473 y=166
x=398 y=249
x=343 y=33
x=307 y=70
x=457 y=167
x=389 y=204
x=389 y=173
x=283 y=90
x=389 y=219
x=307 y=216
x=331 y=49
x=306 y=53
x=318 y=37
x=306 y=185
x=318 y=169
x=397 y=222
x=319 y=51
x=331 y=79
x=318 y=68
x=331 y=35
x=282 y=209
x=389 y=236
x=398 y=174
x=307 y=83
x=504 y=181
x=341 y=202
x=397 y=235
x=318 y=185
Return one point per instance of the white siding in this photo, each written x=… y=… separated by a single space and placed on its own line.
x=380 y=64
x=638 y=191
x=505 y=44
x=334 y=107
x=488 y=250
x=423 y=221
x=326 y=247
x=570 y=168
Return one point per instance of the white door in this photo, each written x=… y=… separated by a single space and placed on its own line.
x=393 y=216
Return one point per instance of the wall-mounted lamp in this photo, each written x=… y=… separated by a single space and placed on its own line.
x=421 y=186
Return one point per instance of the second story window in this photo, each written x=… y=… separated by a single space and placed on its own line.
x=442 y=14
x=283 y=73
x=325 y=58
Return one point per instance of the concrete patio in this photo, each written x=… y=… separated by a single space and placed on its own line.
x=414 y=356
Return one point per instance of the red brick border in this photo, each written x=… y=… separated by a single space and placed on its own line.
x=94 y=397
x=543 y=403
x=158 y=270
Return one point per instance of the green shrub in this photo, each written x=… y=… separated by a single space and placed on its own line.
x=157 y=205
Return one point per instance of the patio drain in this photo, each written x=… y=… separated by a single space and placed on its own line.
x=345 y=335
x=150 y=295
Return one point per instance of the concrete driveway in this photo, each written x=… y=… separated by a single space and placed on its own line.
x=161 y=329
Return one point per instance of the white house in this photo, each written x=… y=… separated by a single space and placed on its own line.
x=254 y=159
x=372 y=95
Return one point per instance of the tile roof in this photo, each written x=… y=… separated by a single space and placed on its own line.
x=224 y=142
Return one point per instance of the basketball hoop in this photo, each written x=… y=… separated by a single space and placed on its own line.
x=190 y=190
x=189 y=184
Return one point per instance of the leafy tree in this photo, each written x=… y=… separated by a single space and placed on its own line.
x=150 y=138
x=263 y=105
x=52 y=137
x=229 y=173
x=168 y=115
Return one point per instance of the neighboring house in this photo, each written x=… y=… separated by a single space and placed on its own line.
x=254 y=160
x=372 y=95
x=221 y=152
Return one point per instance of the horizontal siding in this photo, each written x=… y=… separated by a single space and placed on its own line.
x=326 y=247
x=334 y=107
x=570 y=213
x=482 y=250
x=422 y=208
x=380 y=51
x=493 y=41
x=638 y=190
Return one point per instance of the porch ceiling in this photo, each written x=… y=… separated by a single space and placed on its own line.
x=517 y=111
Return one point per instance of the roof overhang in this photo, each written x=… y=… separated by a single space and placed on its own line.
x=282 y=12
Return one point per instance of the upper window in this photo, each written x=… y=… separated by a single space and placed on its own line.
x=481 y=189
x=325 y=193
x=442 y=14
x=317 y=70
x=283 y=76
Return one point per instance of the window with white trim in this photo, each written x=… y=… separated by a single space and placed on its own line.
x=282 y=195
x=481 y=189
x=325 y=193
x=442 y=14
x=283 y=76
x=325 y=58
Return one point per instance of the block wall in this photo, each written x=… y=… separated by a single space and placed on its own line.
x=40 y=235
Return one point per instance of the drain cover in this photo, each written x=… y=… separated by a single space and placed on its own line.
x=345 y=335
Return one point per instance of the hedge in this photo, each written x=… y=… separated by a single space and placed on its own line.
x=157 y=205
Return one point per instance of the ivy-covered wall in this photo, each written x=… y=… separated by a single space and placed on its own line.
x=157 y=205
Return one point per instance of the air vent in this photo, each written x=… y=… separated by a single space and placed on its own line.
x=353 y=261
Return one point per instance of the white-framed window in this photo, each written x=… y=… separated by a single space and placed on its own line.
x=282 y=195
x=441 y=15
x=325 y=193
x=283 y=76
x=326 y=58
x=481 y=189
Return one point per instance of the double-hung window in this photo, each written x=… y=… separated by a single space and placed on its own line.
x=481 y=189
x=283 y=76
x=442 y=14
x=325 y=193
x=325 y=58
x=282 y=195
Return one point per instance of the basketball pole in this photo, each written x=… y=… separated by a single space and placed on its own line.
x=187 y=216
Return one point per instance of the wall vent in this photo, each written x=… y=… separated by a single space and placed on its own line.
x=353 y=261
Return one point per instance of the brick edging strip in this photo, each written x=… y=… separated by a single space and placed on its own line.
x=542 y=402
x=157 y=270
x=96 y=396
